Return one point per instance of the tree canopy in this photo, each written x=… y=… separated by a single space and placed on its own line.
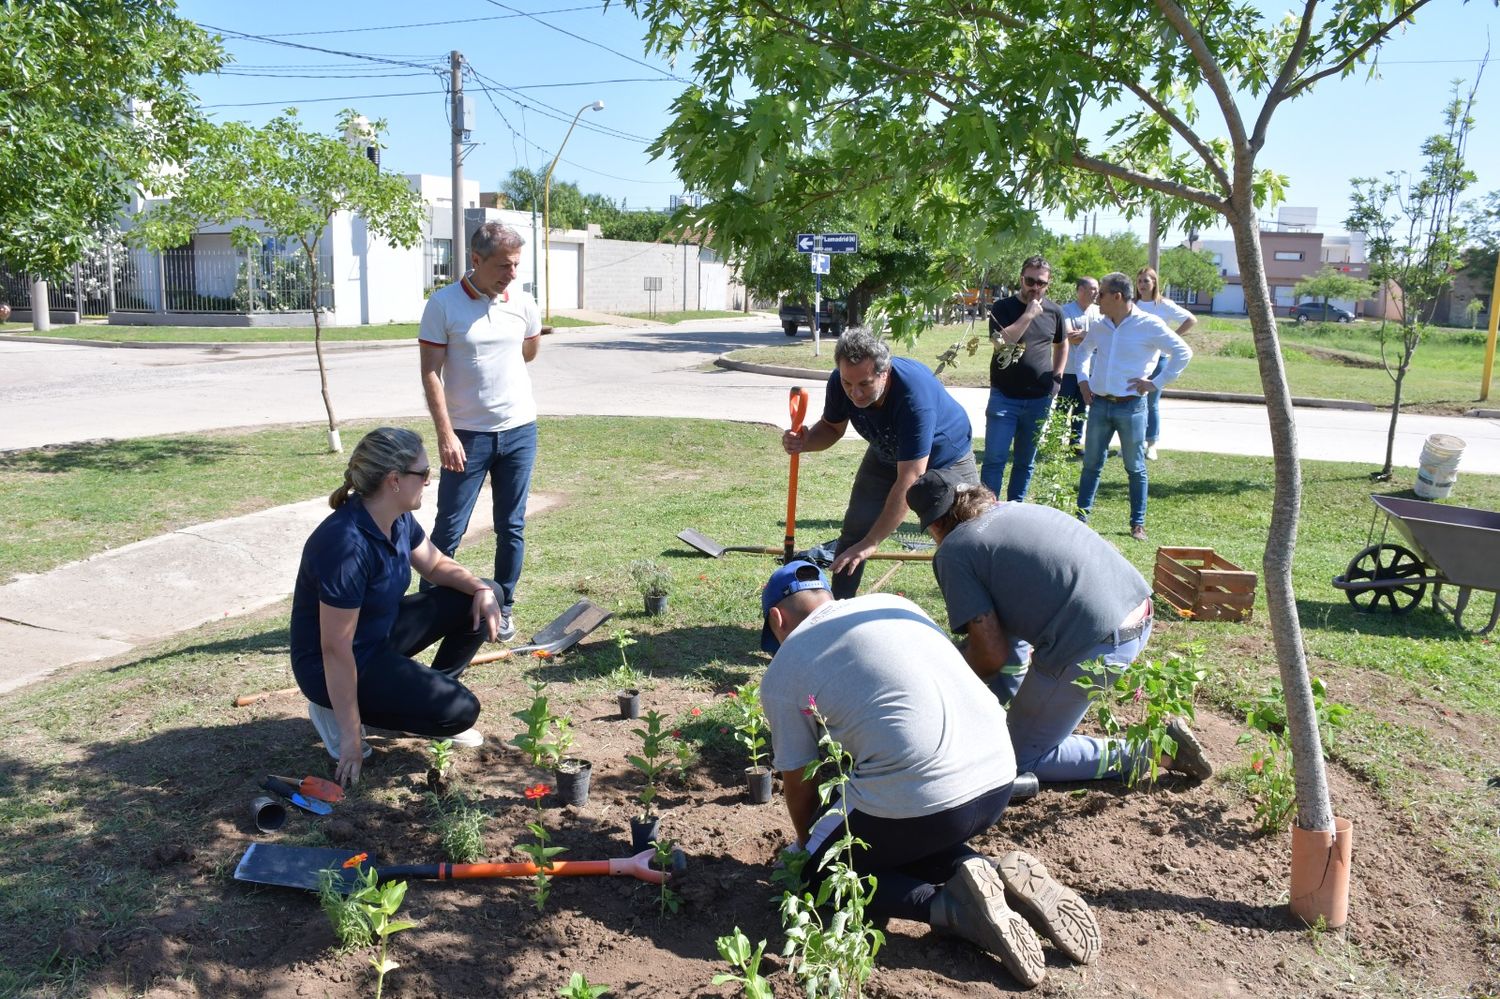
x=1330 y=283
x=1191 y=270
x=92 y=94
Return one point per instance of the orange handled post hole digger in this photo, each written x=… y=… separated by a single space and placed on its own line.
x=301 y=867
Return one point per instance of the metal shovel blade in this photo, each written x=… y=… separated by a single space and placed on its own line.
x=702 y=542
x=568 y=629
x=293 y=866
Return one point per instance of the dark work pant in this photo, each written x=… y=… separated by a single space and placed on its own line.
x=872 y=485
x=912 y=858
x=396 y=691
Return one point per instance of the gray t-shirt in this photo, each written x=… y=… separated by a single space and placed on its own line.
x=1048 y=578
x=924 y=732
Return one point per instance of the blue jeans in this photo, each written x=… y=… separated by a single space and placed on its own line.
x=1010 y=420
x=1078 y=410
x=507 y=457
x=1049 y=707
x=1105 y=418
x=1153 y=405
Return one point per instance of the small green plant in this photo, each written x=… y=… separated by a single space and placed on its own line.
x=652 y=760
x=749 y=718
x=650 y=579
x=836 y=956
x=547 y=737
x=1135 y=704
x=366 y=914
x=668 y=901
x=579 y=988
x=625 y=676
x=442 y=757
x=1054 y=480
x=460 y=828
x=540 y=852
x=1267 y=713
x=1271 y=782
x=736 y=950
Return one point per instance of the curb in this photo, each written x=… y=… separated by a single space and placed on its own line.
x=60 y=341
x=1230 y=397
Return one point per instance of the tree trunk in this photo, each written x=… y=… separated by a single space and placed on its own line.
x=1390 y=434
x=1314 y=807
x=335 y=446
x=41 y=318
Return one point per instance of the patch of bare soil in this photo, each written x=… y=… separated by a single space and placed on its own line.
x=1190 y=898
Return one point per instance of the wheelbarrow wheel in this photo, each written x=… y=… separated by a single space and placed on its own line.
x=1376 y=566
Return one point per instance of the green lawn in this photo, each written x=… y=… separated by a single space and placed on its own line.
x=82 y=746
x=223 y=334
x=1330 y=361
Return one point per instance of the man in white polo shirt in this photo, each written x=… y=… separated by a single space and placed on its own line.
x=476 y=338
x=1120 y=350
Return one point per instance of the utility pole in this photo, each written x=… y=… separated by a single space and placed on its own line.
x=1153 y=243
x=456 y=88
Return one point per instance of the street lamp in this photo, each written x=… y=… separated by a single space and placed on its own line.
x=547 y=201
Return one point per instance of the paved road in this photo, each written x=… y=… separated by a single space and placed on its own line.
x=60 y=394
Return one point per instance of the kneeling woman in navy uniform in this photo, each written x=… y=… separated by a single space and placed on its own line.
x=354 y=628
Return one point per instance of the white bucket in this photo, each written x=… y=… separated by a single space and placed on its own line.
x=1437 y=470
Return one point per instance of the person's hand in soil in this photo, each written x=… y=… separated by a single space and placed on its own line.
x=351 y=756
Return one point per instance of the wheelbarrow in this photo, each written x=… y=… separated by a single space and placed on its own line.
x=1445 y=546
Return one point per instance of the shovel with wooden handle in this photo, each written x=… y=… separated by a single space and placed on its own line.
x=797 y=404
x=301 y=866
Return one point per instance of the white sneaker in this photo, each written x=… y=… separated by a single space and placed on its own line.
x=469 y=738
x=507 y=627
x=1151 y=454
x=327 y=724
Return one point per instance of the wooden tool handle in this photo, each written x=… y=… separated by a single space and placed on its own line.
x=245 y=700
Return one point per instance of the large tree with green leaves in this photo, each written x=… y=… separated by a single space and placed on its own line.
x=1191 y=270
x=1330 y=283
x=285 y=181
x=1414 y=238
x=963 y=118
x=92 y=93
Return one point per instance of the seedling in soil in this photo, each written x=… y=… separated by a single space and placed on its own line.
x=442 y=763
x=749 y=720
x=652 y=760
x=366 y=914
x=539 y=852
x=651 y=579
x=1136 y=703
x=547 y=737
x=1271 y=782
x=579 y=988
x=736 y=950
x=460 y=828
x=625 y=675
x=668 y=900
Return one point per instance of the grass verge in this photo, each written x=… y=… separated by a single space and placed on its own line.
x=92 y=751
x=690 y=315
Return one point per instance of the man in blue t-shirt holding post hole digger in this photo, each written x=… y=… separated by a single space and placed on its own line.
x=911 y=423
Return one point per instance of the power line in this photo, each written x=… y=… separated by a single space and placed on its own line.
x=487 y=83
x=366 y=56
x=588 y=41
x=426 y=24
x=321 y=100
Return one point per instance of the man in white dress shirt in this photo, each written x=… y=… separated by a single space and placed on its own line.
x=1120 y=351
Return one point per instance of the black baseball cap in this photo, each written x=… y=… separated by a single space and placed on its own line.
x=933 y=494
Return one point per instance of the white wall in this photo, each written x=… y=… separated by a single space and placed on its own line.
x=390 y=278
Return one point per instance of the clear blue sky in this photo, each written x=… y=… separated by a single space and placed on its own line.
x=540 y=69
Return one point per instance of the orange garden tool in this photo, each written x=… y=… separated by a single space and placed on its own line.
x=315 y=787
x=797 y=404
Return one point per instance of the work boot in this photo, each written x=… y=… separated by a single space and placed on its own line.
x=1054 y=909
x=1189 y=758
x=972 y=906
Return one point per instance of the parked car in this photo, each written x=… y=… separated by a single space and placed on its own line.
x=1318 y=312
x=831 y=316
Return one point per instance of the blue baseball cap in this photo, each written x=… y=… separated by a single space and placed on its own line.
x=794 y=577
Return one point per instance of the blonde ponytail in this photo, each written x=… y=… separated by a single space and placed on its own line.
x=380 y=452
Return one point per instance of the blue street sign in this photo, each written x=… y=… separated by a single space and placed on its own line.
x=821 y=263
x=827 y=242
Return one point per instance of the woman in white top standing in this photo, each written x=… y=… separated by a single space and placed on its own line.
x=1148 y=298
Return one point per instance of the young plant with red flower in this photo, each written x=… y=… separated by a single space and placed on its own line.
x=540 y=853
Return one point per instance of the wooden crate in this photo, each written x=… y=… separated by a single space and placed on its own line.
x=1199 y=584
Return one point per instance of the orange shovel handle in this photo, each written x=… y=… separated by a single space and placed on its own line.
x=797 y=404
x=638 y=866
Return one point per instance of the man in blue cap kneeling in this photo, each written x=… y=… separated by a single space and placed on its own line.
x=932 y=767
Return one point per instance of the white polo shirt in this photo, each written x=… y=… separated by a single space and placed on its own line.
x=1113 y=355
x=1081 y=317
x=485 y=383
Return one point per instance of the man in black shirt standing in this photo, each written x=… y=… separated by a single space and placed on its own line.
x=1030 y=338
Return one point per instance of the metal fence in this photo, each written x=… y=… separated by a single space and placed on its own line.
x=186 y=279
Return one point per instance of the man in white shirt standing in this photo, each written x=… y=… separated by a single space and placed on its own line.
x=476 y=338
x=1114 y=378
x=1078 y=314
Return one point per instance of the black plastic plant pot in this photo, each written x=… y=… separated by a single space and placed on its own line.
x=643 y=833
x=572 y=778
x=656 y=605
x=630 y=702
x=268 y=814
x=758 y=782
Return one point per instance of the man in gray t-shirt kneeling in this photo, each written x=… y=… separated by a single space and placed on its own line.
x=931 y=767
x=1016 y=571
